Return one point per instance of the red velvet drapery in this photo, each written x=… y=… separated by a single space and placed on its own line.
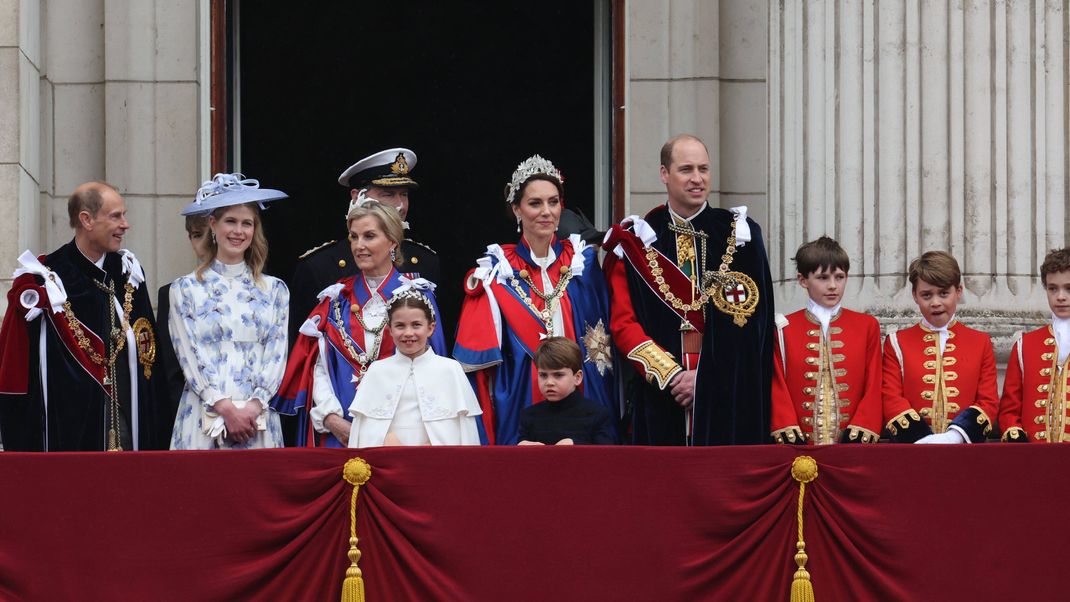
x=885 y=522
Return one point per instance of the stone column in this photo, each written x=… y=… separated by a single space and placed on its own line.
x=99 y=89
x=151 y=110
x=901 y=127
x=21 y=92
x=698 y=67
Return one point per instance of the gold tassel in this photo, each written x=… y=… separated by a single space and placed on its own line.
x=356 y=472
x=803 y=470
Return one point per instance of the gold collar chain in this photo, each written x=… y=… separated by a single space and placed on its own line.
x=364 y=359
x=550 y=300
x=116 y=342
x=708 y=278
x=117 y=337
x=721 y=276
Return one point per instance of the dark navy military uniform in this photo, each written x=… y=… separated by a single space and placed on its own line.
x=323 y=266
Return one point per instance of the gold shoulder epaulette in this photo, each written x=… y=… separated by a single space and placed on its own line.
x=422 y=245
x=314 y=249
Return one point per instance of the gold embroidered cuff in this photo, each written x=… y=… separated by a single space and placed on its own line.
x=790 y=435
x=659 y=365
x=1015 y=433
x=983 y=421
x=902 y=420
x=863 y=435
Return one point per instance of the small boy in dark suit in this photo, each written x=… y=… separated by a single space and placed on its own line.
x=566 y=417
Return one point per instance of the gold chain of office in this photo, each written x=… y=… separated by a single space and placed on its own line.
x=550 y=300
x=118 y=336
x=365 y=358
x=720 y=277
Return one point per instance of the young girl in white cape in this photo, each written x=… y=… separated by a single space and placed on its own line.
x=413 y=397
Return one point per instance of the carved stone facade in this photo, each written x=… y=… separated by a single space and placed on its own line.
x=902 y=127
x=101 y=89
x=896 y=127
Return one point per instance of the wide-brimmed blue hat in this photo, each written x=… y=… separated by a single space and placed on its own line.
x=227 y=189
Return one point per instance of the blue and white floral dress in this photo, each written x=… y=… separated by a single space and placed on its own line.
x=230 y=339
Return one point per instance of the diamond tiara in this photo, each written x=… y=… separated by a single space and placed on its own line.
x=531 y=166
x=414 y=293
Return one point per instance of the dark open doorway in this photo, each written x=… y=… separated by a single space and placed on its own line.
x=472 y=87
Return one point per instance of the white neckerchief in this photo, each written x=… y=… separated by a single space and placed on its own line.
x=944 y=335
x=1061 y=327
x=374 y=310
x=545 y=263
x=823 y=314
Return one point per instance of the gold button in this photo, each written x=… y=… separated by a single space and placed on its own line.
x=341 y=263
x=414 y=259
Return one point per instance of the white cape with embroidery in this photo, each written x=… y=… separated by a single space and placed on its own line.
x=440 y=390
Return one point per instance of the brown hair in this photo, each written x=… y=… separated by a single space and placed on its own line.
x=539 y=176
x=412 y=302
x=558 y=352
x=389 y=221
x=1057 y=260
x=196 y=222
x=255 y=255
x=938 y=268
x=667 y=148
x=821 y=254
x=88 y=197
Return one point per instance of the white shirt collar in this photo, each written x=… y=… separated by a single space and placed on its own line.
x=99 y=263
x=677 y=216
x=823 y=314
x=1061 y=328
x=743 y=233
x=545 y=262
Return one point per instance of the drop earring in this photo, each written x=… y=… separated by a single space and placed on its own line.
x=393 y=255
x=213 y=236
x=518 y=225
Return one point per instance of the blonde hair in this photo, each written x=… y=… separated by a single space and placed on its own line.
x=389 y=221
x=255 y=255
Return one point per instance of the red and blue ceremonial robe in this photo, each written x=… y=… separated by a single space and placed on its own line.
x=345 y=357
x=502 y=324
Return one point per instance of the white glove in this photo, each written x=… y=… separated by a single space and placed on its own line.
x=951 y=436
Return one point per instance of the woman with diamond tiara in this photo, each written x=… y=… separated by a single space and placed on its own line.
x=521 y=293
x=414 y=397
x=348 y=329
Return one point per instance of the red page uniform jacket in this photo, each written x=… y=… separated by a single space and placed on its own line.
x=827 y=389
x=926 y=390
x=1034 y=404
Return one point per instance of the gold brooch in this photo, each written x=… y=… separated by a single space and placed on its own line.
x=146 y=345
x=736 y=295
